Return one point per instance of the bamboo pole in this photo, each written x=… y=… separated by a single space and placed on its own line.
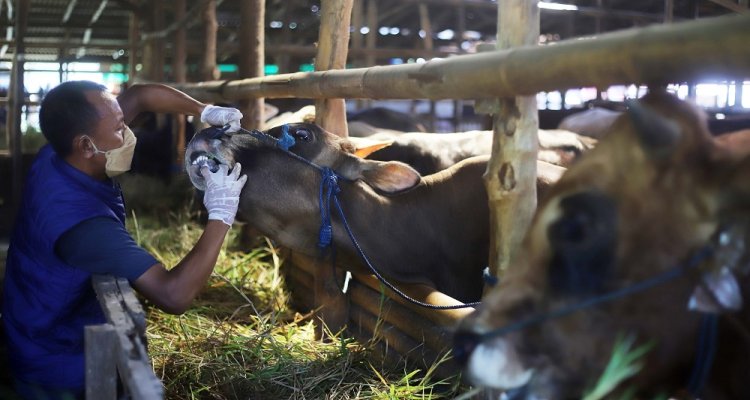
x=678 y=52
x=510 y=178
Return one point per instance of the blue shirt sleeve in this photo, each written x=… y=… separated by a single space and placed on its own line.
x=101 y=245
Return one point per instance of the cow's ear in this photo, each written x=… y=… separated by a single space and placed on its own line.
x=658 y=135
x=384 y=176
x=363 y=148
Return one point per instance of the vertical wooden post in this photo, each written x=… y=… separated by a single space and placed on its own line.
x=101 y=362
x=333 y=42
x=511 y=173
x=371 y=40
x=283 y=60
x=333 y=45
x=15 y=105
x=179 y=71
x=426 y=26
x=598 y=21
x=668 y=11
x=252 y=57
x=157 y=18
x=357 y=40
x=738 y=91
x=424 y=23
x=133 y=48
x=209 y=70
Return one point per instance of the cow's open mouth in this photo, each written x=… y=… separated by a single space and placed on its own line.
x=205 y=160
x=198 y=160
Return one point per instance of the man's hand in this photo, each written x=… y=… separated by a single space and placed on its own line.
x=220 y=116
x=222 y=196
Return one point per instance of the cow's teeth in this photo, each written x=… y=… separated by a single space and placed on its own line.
x=200 y=159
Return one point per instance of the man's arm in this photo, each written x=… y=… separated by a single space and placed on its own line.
x=160 y=98
x=157 y=98
x=173 y=291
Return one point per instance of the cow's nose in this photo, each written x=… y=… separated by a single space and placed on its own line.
x=464 y=342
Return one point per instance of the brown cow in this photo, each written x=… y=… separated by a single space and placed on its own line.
x=431 y=229
x=432 y=152
x=649 y=200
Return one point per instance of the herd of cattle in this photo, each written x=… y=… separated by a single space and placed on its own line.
x=639 y=233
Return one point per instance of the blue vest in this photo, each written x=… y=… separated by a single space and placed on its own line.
x=46 y=302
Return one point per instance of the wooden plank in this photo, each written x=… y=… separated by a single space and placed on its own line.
x=410 y=323
x=424 y=293
x=370 y=326
x=676 y=52
x=101 y=371
x=124 y=313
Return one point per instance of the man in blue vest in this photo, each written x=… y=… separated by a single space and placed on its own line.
x=72 y=225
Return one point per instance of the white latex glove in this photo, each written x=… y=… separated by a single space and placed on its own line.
x=222 y=196
x=220 y=116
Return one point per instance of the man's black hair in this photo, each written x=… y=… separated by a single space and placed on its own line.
x=66 y=113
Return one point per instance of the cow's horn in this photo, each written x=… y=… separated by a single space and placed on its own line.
x=658 y=135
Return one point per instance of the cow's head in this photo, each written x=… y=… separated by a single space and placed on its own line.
x=652 y=194
x=280 y=197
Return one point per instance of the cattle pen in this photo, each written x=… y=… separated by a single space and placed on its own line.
x=653 y=55
x=502 y=82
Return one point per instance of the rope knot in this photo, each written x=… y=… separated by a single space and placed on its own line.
x=328 y=187
x=286 y=140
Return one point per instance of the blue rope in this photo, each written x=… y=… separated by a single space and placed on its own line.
x=381 y=278
x=328 y=186
x=704 y=357
x=286 y=140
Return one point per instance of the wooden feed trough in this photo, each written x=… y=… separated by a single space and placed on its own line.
x=376 y=315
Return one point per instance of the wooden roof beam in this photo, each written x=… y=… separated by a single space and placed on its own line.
x=191 y=18
x=740 y=8
x=69 y=11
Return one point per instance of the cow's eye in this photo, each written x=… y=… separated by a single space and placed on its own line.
x=583 y=242
x=303 y=134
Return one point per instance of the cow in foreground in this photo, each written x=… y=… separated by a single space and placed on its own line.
x=431 y=230
x=657 y=196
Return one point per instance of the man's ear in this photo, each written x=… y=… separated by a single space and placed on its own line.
x=82 y=145
x=384 y=176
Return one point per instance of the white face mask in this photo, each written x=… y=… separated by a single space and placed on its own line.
x=119 y=159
